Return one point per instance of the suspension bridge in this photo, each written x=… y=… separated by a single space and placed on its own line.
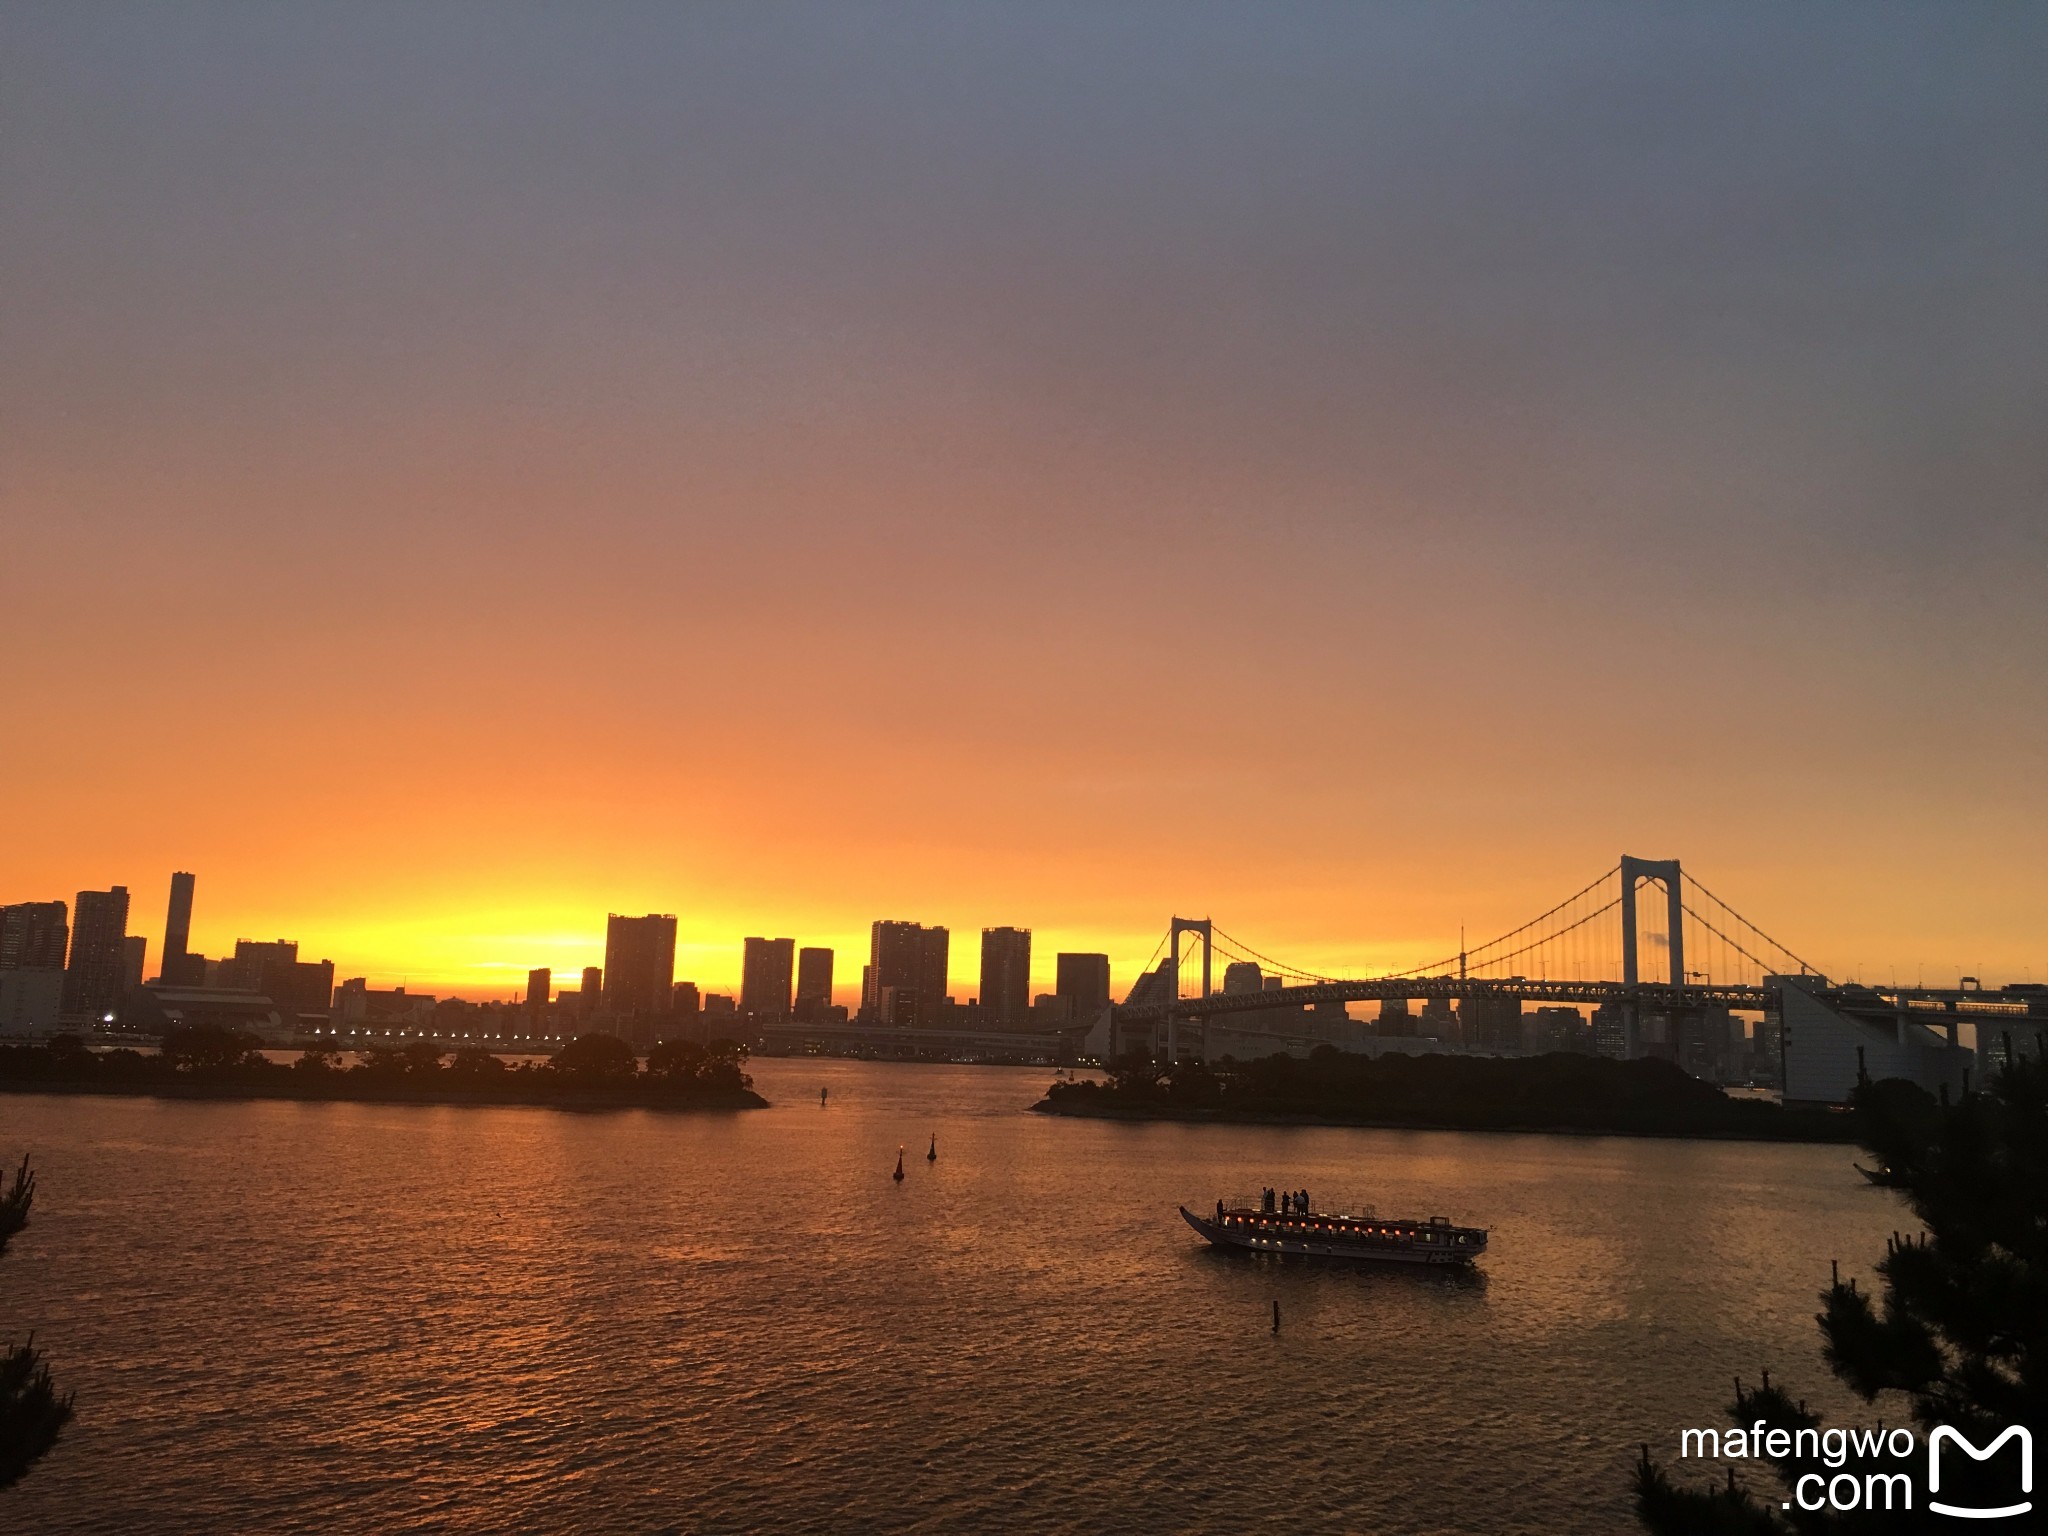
x=1672 y=952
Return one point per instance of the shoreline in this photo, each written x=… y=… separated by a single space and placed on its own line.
x=1166 y=1115
x=492 y=1097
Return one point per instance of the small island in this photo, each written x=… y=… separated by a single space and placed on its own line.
x=594 y=1071
x=1559 y=1093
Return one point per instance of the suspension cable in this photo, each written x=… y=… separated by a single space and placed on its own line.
x=1804 y=965
x=1483 y=958
x=1538 y=944
x=1146 y=968
x=1245 y=951
x=1575 y=895
x=1763 y=964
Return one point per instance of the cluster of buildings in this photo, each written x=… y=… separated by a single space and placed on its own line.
x=1711 y=1043
x=79 y=968
x=786 y=992
x=76 y=968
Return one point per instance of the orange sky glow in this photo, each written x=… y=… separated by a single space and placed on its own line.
x=1350 y=486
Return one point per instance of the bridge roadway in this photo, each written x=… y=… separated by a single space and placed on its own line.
x=1934 y=1006
x=1650 y=996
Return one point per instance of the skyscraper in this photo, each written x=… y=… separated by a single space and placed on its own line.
x=1395 y=1021
x=313 y=986
x=263 y=965
x=905 y=981
x=931 y=977
x=1005 y=977
x=1244 y=976
x=273 y=968
x=1083 y=982
x=1439 y=1020
x=92 y=977
x=1491 y=1023
x=174 y=965
x=813 y=983
x=592 y=996
x=134 y=960
x=639 y=965
x=889 y=984
x=765 y=977
x=34 y=936
x=540 y=990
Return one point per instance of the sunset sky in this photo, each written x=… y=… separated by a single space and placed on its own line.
x=1348 y=471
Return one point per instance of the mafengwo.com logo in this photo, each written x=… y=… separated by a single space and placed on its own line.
x=1876 y=1469
x=1943 y=1435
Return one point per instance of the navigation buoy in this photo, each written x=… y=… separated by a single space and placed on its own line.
x=1276 y=1314
x=899 y=1165
x=933 y=1155
x=821 y=1097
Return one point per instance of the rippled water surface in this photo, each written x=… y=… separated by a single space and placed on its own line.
x=345 y=1317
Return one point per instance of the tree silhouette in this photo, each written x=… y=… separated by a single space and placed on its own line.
x=596 y=1058
x=1959 y=1326
x=210 y=1048
x=31 y=1412
x=415 y=1058
x=473 y=1061
x=676 y=1060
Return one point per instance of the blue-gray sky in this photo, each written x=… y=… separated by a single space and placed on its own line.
x=1348 y=468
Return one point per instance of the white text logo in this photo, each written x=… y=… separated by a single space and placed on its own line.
x=2026 y=1440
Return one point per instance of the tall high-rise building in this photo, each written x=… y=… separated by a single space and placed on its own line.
x=1395 y=1022
x=174 y=966
x=889 y=984
x=1556 y=1029
x=591 y=998
x=931 y=977
x=1244 y=976
x=263 y=965
x=1439 y=1020
x=540 y=989
x=905 y=980
x=92 y=975
x=313 y=986
x=1083 y=982
x=813 y=983
x=686 y=1000
x=765 y=975
x=31 y=999
x=134 y=960
x=1006 y=977
x=34 y=936
x=639 y=965
x=1491 y=1023
x=1611 y=1032
x=273 y=968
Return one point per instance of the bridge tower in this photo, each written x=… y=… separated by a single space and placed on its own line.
x=1205 y=930
x=1665 y=872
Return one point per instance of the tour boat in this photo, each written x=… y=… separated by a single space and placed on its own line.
x=1257 y=1228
